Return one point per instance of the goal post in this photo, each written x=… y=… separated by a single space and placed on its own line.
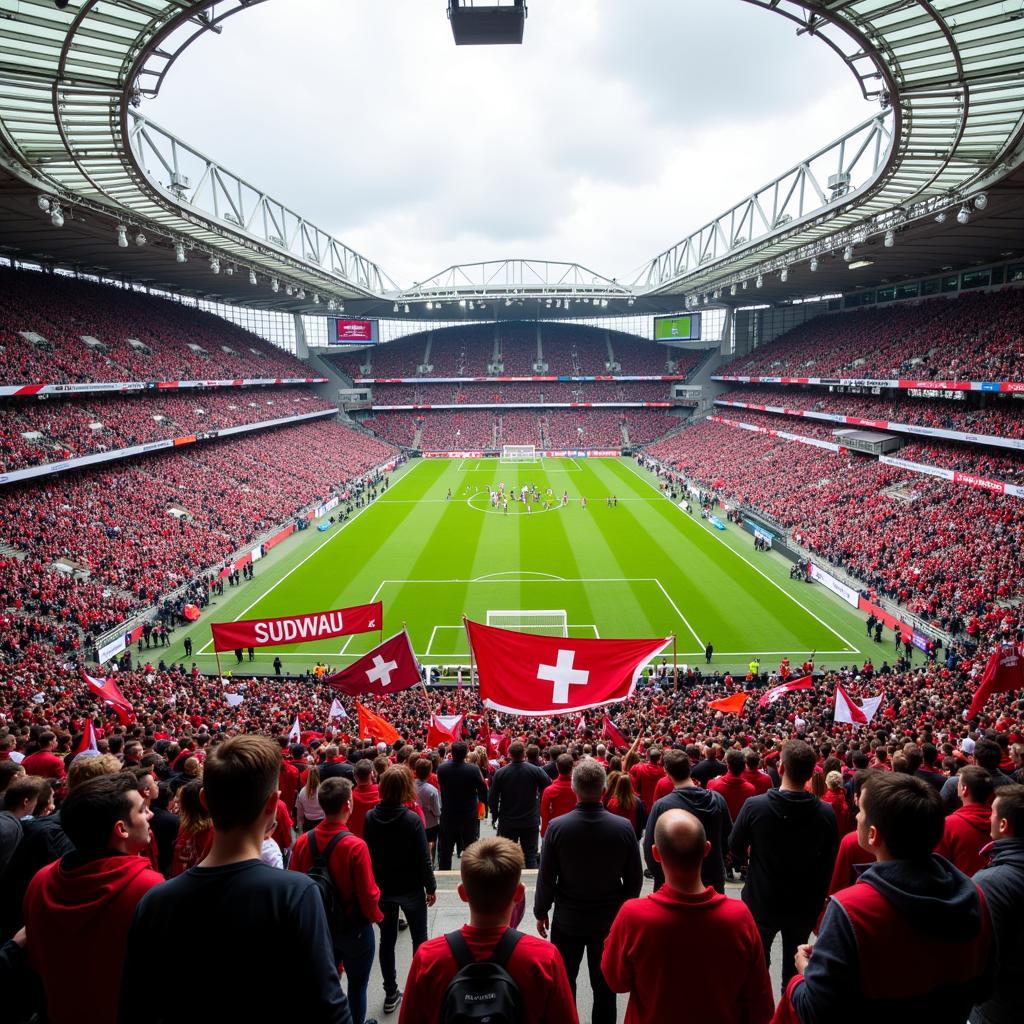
x=518 y=453
x=550 y=622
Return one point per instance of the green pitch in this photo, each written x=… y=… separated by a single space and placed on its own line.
x=642 y=568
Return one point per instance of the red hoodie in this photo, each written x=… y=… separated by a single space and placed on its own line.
x=644 y=777
x=363 y=799
x=728 y=983
x=556 y=800
x=69 y=909
x=967 y=831
x=736 y=790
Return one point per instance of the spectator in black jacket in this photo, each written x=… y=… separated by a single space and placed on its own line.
x=164 y=826
x=708 y=806
x=462 y=790
x=988 y=755
x=515 y=801
x=791 y=840
x=401 y=866
x=587 y=889
x=1002 y=884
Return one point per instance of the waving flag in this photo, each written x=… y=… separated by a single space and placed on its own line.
x=388 y=668
x=444 y=729
x=1004 y=672
x=295 y=732
x=87 y=747
x=848 y=710
x=733 y=704
x=337 y=712
x=234 y=699
x=611 y=732
x=372 y=726
x=110 y=693
x=526 y=674
x=772 y=695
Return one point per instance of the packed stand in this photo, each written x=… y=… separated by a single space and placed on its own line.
x=459 y=431
x=519 y=426
x=517 y=348
x=593 y=428
x=974 y=337
x=70 y=427
x=62 y=310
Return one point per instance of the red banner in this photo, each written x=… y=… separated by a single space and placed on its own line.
x=297 y=629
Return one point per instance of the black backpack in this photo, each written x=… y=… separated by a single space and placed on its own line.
x=340 y=919
x=482 y=991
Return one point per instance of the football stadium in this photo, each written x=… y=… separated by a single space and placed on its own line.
x=377 y=641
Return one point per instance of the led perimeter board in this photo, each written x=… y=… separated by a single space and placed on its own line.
x=677 y=328
x=352 y=332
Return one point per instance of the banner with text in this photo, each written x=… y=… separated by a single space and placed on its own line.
x=297 y=629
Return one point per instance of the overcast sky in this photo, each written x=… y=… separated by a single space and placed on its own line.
x=616 y=129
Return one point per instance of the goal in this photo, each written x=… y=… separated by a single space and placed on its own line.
x=546 y=623
x=518 y=453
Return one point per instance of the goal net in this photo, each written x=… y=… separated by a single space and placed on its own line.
x=546 y=623
x=518 y=453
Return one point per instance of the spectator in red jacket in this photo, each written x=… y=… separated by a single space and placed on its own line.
x=559 y=797
x=91 y=892
x=732 y=785
x=352 y=872
x=761 y=781
x=912 y=938
x=835 y=797
x=646 y=774
x=365 y=796
x=728 y=983
x=851 y=853
x=968 y=829
x=44 y=762
x=491 y=870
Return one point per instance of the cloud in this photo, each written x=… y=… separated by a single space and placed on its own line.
x=614 y=131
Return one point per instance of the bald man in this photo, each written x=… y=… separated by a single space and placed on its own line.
x=728 y=982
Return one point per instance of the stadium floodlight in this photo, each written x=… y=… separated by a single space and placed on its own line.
x=407 y=307
x=732 y=289
x=44 y=203
x=179 y=253
x=331 y=305
x=214 y=265
x=252 y=277
x=122 y=237
x=848 y=253
x=57 y=216
x=316 y=298
x=341 y=307
x=430 y=305
x=471 y=306
x=980 y=201
x=814 y=264
x=630 y=301
x=302 y=294
x=462 y=303
x=288 y=290
x=140 y=239
x=759 y=282
x=964 y=214
x=940 y=218
x=395 y=310
x=744 y=285
x=890 y=239
x=784 y=276
x=274 y=284
x=229 y=270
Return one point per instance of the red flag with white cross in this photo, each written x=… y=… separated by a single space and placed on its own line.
x=526 y=674
x=388 y=668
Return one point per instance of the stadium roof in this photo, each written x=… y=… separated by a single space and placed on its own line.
x=949 y=78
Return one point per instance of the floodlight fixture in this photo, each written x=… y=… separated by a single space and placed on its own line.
x=940 y=218
x=214 y=264
x=275 y=285
x=140 y=239
x=56 y=216
x=759 y=282
x=122 y=236
x=964 y=214
x=814 y=264
x=316 y=298
x=229 y=270
x=732 y=289
x=44 y=203
x=395 y=308
x=252 y=277
x=980 y=201
x=179 y=253
x=302 y=294
x=462 y=303
x=784 y=276
x=407 y=307
x=848 y=253
x=890 y=239
x=289 y=290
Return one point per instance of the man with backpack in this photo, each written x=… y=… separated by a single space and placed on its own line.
x=487 y=969
x=339 y=864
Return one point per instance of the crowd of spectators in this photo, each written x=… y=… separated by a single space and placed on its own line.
x=591 y=428
x=455 y=431
x=537 y=393
x=946 y=551
x=520 y=426
x=67 y=427
x=973 y=337
x=179 y=342
x=148 y=525
x=1000 y=416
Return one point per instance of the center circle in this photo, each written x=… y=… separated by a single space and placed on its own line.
x=481 y=502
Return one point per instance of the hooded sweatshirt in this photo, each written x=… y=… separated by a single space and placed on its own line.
x=69 y=906
x=967 y=830
x=1002 y=884
x=909 y=941
x=713 y=812
x=791 y=841
x=726 y=983
x=398 y=850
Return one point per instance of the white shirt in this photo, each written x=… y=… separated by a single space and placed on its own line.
x=270 y=854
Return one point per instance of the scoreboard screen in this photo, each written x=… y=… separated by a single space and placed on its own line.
x=351 y=332
x=677 y=328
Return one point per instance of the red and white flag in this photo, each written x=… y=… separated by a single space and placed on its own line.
x=771 y=696
x=337 y=712
x=526 y=674
x=295 y=732
x=110 y=693
x=388 y=668
x=611 y=732
x=444 y=729
x=87 y=747
x=1003 y=673
x=849 y=710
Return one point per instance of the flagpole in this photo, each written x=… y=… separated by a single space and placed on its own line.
x=675 y=662
x=472 y=660
x=220 y=675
